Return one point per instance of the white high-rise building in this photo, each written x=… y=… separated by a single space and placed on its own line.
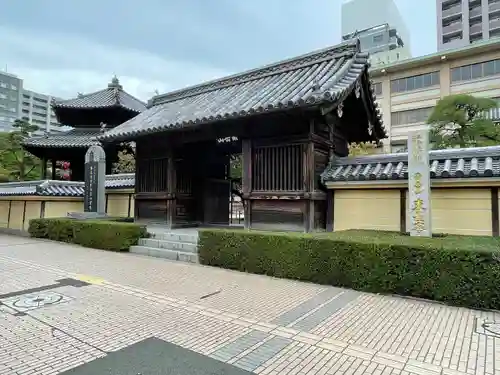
x=462 y=22
x=379 y=27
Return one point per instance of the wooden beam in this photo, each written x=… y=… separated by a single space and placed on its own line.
x=495 y=229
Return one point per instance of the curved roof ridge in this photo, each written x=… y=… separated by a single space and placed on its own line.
x=349 y=47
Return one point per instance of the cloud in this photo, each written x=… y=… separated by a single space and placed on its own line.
x=64 y=64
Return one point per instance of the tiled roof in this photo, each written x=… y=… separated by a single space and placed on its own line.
x=72 y=138
x=63 y=188
x=443 y=164
x=325 y=76
x=112 y=96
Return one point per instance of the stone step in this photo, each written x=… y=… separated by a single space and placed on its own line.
x=186 y=247
x=164 y=253
x=174 y=236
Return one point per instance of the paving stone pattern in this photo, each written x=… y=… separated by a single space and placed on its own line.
x=257 y=323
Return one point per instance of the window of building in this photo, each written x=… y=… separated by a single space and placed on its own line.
x=3 y=84
x=475 y=71
x=412 y=116
x=26 y=96
x=13 y=87
x=398 y=147
x=377 y=38
x=3 y=96
x=417 y=82
x=449 y=4
x=377 y=88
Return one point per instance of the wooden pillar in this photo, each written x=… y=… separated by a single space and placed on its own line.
x=53 y=169
x=330 y=207
x=309 y=186
x=495 y=230
x=171 y=191
x=246 y=179
x=43 y=168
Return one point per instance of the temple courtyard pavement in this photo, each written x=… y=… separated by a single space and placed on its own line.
x=67 y=309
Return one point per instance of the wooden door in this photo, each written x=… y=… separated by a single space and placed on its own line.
x=216 y=201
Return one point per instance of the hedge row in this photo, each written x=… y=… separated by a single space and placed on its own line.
x=458 y=270
x=116 y=234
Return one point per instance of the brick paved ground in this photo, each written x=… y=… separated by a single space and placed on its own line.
x=265 y=325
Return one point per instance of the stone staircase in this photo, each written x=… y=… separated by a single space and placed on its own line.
x=176 y=244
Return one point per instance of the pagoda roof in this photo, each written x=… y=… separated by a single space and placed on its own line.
x=74 y=138
x=325 y=77
x=112 y=96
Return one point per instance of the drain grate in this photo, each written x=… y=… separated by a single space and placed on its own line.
x=28 y=302
x=487 y=327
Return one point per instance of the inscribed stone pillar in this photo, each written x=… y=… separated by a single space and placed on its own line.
x=419 y=186
x=95 y=175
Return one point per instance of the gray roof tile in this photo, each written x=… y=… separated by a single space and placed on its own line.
x=112 y=96
x=73 y=138
x=328 y=75
x=453 y=163
x=63 y=188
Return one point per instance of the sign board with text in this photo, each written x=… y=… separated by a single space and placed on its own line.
x=94 y=199
x=419 y=187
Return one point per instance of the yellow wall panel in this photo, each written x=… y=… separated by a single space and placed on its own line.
x=32 y=212
x=61 y=208
x=367 y=209
x=16 y=215
x=4 y=213
x=459 y=211
x=118 y=205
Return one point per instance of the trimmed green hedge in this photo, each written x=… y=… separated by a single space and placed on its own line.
x=98 y=234
x=459 y=270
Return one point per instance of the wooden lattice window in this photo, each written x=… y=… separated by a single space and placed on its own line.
x=152 y=175
x=278 y=168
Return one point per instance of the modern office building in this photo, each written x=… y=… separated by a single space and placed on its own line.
x=17 y=102
x=380 y=28
x=407 y=91
x=36 y=108
x=461 y=22
x=383 y=42
x=11 y=88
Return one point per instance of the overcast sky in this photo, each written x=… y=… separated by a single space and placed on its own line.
x=61 y=47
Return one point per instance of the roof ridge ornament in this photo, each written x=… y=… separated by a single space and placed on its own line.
x=357 y=89
x=340 y=110
x=103 y=127
x=115 y=83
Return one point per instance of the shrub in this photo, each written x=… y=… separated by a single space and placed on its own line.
x=459 y=270
x=99 y=234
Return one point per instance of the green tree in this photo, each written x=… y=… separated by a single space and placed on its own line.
x=364 y=148
x=460 y=121
x=18 y=164
x=126 y=159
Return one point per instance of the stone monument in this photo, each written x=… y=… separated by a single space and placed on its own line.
x=419 y=186
x=94 y=199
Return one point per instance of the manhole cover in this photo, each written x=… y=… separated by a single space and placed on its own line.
x=487 y=327
x=35 y=300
